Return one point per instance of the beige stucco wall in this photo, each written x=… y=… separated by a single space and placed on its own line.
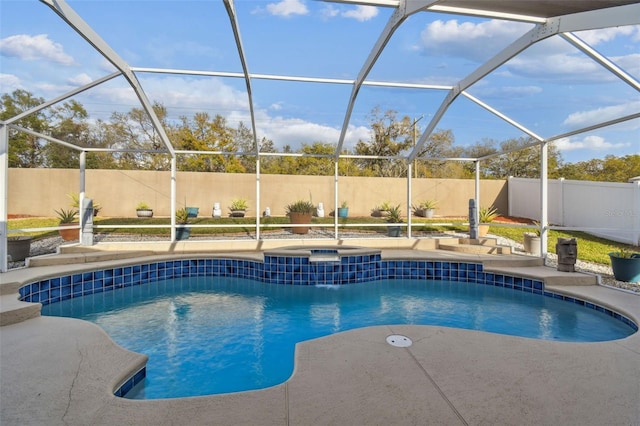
x=38 y=192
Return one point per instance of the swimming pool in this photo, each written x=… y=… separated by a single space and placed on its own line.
x=216 y=335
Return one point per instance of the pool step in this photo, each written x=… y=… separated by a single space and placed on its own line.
x=12 y=311
x=478 y=246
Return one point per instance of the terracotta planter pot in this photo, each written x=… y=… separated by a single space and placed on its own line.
x=300 y=218
x=70 y=234
x=483 y=230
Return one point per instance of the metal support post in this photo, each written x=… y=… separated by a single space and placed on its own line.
x=173 y=198
x=4 y=196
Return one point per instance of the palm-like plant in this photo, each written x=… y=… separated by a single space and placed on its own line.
x=238 y=204
x=487 y=214
x=182 y=216
x=67 y=216
x=300 y=206
x=395 y=214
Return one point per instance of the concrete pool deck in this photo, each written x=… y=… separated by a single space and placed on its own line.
x=63 y=371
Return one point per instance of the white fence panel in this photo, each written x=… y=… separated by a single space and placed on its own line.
x=524 y=198
x=607 y=209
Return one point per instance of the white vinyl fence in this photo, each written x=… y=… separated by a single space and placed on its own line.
x=605 y=209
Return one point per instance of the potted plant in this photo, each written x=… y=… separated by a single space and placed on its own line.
x=18 y=248
x=532 y=240
x=426 y=208
x=192 y=211
x=343 y=210
x=75 y=203
x=182 y=218
x=300 y=212
x=394 y=216
x=485 y=216
x=625 y=265
x=382 y=210
x=238 y=207
x=68 y=218
x=143 y=210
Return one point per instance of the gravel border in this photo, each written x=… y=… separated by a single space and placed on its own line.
x=50 y=246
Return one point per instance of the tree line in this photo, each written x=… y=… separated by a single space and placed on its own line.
x=124 y=134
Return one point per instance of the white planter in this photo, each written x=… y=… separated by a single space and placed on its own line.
x=532 y=243
x=144 y=212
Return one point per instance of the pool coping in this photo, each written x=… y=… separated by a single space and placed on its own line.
x=88 y=366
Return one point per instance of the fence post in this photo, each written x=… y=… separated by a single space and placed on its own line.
x=635 y=212
x=561 y=201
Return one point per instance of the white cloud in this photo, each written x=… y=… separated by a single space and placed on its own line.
x=553 y=66
x=589 y=117
x=184 y=94
x=477 y=42
x=550 y=59
x=595 y=37
x=9 y=83
x=80 y=79
x=570 y=66
x=329 y=11
x=294 y=132
x=34 y=48
x=592 y=143
x=361 y=13
x=287 y=8
x=629 y=63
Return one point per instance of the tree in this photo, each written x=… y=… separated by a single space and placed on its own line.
x=389 y=138
x=102 y=136
x=515 y=161
x=134 y=130
x=322 y=166
x=438 y=145
x=243 y=140
x=609 y=169
x=25 y=150
x=69 y=125
x=201 y=133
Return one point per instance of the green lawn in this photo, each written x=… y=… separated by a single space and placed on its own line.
x=590 y=248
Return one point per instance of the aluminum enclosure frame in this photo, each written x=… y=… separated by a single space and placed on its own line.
x=549 y=19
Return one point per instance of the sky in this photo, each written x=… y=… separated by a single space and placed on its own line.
x=551 y=88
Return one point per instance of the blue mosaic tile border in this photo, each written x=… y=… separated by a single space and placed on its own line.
x=285 y=270
x=131 y=382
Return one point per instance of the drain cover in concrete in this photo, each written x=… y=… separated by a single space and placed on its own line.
x=399 y=340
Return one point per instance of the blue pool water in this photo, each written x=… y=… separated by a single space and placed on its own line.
x=216 y=335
